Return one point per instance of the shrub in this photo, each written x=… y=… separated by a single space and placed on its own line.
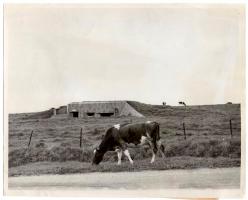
x=167 y=131
x=204 y=148
x=41 y=144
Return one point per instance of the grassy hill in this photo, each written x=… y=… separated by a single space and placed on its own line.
x=35 y=115
x=56 y=140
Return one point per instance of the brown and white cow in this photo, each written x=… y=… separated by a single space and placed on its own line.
x=118 y=136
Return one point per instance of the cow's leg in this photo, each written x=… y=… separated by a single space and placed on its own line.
x=157 y=148
x=119 y=154
x=161 y=148
x=126 y=152
x=123 y=147
x=153 y=148
x=153 y=157
x=154 y=152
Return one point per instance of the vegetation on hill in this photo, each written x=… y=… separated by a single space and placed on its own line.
x=35 y=115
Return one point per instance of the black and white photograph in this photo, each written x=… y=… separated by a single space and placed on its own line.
x=124 y=100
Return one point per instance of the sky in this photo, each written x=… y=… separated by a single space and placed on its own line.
x=57 y=54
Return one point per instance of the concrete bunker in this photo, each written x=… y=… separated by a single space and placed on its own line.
x=89 y=109
x=74 y=114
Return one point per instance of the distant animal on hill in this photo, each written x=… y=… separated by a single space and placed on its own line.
x=118 y=136
x=183 y=103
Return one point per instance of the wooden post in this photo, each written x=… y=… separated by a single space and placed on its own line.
x=184 y=132
x=81 y=133
x=30 y=138
x=231 y=127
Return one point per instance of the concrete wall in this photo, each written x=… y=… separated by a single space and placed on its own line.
x=118 y=108
x=102 y=107
x=61 y=110
x=130 y=111
x=74 y=107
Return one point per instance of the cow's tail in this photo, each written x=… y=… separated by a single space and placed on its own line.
x=156 y=137
x=158 y=131
x=160 y=146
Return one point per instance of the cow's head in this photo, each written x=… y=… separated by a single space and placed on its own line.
x=98 y=156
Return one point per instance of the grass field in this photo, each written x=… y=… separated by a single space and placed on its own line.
x=56 y=139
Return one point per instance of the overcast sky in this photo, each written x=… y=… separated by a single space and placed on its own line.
x=57 y=54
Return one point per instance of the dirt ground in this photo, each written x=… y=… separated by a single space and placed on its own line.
x=176 y=179
x=74 y=167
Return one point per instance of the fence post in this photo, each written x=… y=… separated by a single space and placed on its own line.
x=184 y=132
x=231 y=127
x=81 y=132
x=30 y=138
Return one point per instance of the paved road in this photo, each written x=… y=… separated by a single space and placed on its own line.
x=222 y=178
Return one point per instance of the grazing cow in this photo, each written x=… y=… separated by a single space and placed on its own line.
x=118 y=136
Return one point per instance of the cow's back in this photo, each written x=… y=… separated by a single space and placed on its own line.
x=132 y=133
